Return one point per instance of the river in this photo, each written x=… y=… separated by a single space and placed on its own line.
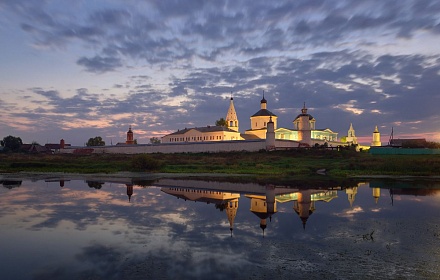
x=188 y=228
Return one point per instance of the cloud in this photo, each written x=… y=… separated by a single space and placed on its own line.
x=99 y=64
x=176 y=64
x=173 y=31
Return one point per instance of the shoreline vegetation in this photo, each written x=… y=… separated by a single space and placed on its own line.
x=290 y=163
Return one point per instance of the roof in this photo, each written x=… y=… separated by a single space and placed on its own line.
x=263 y=113
x=34 y=148
x=249 y=136
x=326 y=130
x=203 y=129
x=55 y=146
x=414 y=141
x=300 y=115
x=290 y=129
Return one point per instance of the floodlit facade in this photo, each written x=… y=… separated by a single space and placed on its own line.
x=260 y=119
x=304 y=130
x=208 y=133
x=202 y=134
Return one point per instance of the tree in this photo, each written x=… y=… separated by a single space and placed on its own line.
x=154 y=140
x=12 y=143
x=221 y=122
x=97 y=141
x=432 y=145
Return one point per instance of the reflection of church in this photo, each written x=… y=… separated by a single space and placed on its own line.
x=264 y=206
x=222 y=200
x=304 y=201
x=262 y=209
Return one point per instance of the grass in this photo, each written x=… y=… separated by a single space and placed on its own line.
x=276 y=163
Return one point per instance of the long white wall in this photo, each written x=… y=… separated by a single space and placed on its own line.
x=190 y=147
x=169 y=148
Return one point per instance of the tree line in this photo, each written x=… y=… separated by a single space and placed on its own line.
x=13 y=144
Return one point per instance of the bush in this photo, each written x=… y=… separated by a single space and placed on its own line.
x=145 y=162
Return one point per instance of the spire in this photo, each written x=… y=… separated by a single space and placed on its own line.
x=129 y=191
x=304 y=109
x=304 y=221
x=263 y=225
x=263 y=100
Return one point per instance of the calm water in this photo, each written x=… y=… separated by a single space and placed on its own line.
x=187 y=229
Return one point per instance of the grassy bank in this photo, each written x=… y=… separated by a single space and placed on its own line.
x=277 y=163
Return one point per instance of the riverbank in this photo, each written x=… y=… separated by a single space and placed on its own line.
x=276 y=163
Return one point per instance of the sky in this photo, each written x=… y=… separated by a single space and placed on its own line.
x=80 y=69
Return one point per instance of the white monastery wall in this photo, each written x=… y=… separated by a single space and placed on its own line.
x=169 y=148
x=284 y=144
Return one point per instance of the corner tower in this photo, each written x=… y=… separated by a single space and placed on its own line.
x=376 y=138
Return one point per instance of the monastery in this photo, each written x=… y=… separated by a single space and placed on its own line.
x=263 y=134
x=303 y=129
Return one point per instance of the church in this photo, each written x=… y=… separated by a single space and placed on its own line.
x=303 y=130
x=208 y=133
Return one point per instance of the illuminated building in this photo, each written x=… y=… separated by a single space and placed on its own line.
x=259 y=121
x=376 y=138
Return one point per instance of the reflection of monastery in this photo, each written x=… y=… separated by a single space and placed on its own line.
x=264 y=134
x=264 y=200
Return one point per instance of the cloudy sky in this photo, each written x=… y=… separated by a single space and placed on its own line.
x=80 y=69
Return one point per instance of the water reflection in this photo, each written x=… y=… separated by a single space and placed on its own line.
x=120 y=228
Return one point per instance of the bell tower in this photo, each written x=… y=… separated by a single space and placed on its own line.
x=304 y=127
x=231 y=116
x=130 y=140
